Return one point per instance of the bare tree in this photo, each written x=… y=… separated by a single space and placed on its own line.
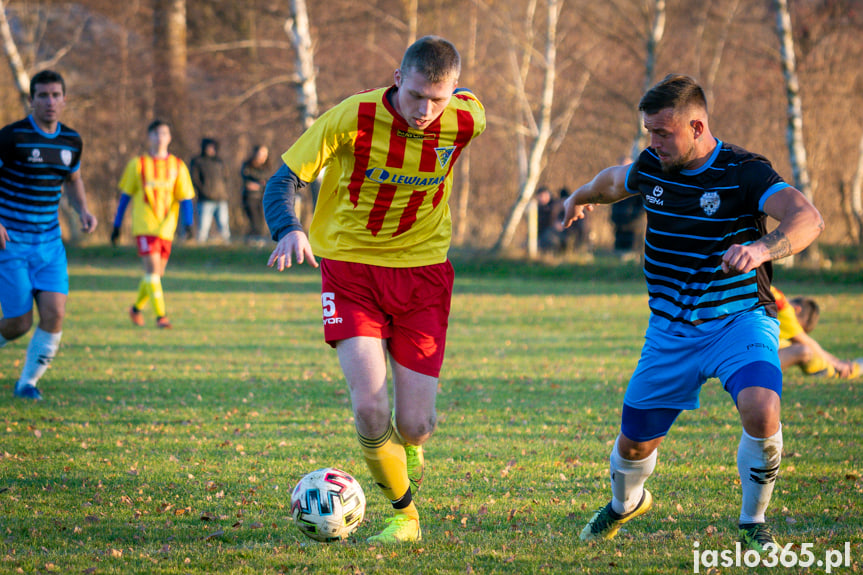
x=169 y=78
x=13 y=57
x=542 y=127
x=796 y=147
x=657 y=31
x=463 y=167
x=856 y=198
x=297 y=28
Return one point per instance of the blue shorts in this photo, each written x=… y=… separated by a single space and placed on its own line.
x=26 y=269
x=672 y=368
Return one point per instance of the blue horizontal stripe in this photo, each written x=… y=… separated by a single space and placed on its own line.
x=682 y=217
x=705 y=238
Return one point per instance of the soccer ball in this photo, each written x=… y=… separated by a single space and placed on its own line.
x=328 y=504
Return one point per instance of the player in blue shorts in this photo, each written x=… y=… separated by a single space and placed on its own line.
x=39 y=158
x=707 y=261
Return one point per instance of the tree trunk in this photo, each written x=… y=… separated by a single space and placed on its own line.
x=536 y=159
x=657 y=31
x=857 y=194
x=796 y=147
x=463 y=167
x=301 y=38
x=13 y=57
x=169 y=77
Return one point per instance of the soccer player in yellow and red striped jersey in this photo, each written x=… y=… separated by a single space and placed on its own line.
x=160 y=188
x=797 y=317
x=382 y=226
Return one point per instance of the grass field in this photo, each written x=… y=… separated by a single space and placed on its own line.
x=173 y=452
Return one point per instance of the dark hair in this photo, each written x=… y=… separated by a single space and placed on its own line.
x=255 y=150
x=434 y=57
x=207 y=142
x=675 y=91
x=46 y=77
x=807 y=311
x=156 y=124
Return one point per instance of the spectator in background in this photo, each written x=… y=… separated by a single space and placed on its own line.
x=626 y=219
x=578 y=236
x=548 y=226
x=210 y=178
x=255 y=173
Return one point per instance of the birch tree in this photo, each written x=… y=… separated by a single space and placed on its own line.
x=541 y=128
x=796 y=147
x=297 y=28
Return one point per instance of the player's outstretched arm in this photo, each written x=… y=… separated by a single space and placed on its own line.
x=607 y=187
x=799 y=224
x=293 y=245
x=4 y=237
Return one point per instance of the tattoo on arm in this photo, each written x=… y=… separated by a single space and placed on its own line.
x=778 y=245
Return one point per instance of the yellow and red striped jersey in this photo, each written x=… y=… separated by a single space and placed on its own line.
x=385 y=190
x=157 y=186
x=789 y=325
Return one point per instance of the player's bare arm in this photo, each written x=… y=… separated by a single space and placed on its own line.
x=292 y=245
x=799 y=224
x=607 y=187
x=4 y=237
x=77 y=196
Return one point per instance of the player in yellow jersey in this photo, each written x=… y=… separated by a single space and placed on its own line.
x=160 y=188
x=797 y=318
x=382 y=226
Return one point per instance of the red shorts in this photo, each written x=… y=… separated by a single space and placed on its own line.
x=153 y=245
x=409 y=307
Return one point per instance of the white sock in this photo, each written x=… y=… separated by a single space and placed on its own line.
x=758 y=465
x=627 y=480
x=42 y=349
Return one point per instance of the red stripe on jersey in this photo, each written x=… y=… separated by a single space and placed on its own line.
x=409 y=216
x=462 y=139
x=383 y=201
x=428 y=158
x=396 y=154
x=362 y=148
x=141 y=161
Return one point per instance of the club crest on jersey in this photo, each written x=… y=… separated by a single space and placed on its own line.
x=444 y=153
x=710 y=202
x=66 y=156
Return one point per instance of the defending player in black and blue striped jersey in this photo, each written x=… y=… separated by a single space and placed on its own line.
x=39 y=159
x=707 y=261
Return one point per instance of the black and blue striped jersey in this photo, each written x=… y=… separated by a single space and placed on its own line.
x=33 y=167
x=693 y=217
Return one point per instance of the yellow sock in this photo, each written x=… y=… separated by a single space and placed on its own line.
x=385 y=458
x=157 y=295
x=816 y=364
x=143 y=293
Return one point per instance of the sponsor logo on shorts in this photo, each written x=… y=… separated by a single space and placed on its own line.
x=328 y=304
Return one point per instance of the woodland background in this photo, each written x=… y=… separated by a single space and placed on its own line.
x=240 y=84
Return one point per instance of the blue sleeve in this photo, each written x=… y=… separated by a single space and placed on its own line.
x=279 y=202
x=187 y=212
x=121 y=209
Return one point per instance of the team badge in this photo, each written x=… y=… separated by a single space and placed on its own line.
x=444 y=154
x=710 y=202
x=66 y=156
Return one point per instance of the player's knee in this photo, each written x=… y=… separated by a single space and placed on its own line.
x=370 y=416
x=15 y=327
x=417 y=432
